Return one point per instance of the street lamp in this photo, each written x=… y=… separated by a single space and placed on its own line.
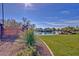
x=2 y=13
x=2 y=24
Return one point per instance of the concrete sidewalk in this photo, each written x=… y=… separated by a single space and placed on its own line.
x=43 y=49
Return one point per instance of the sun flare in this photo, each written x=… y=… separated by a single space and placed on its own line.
x=28 y=5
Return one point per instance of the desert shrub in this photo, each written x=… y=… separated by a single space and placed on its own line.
x=27 y=52
x=29 y=37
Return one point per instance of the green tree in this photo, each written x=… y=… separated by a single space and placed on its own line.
x=24 y=20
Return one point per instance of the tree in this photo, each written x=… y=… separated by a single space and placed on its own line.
x=39 y=29
x=53 y=29
x=11 y=23
x=77 y=28
x=24 y=20
x=33 y=26
x=47 y=30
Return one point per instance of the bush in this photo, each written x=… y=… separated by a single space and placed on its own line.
x=29 y=37
x=28 y=52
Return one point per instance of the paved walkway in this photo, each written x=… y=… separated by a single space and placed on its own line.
x=43 y=49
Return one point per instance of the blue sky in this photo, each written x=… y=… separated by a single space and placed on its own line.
x=44 y=14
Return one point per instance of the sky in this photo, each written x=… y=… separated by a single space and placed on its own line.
x=44 y=14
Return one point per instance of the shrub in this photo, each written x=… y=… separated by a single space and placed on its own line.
x=29 y=37
x=28 y=52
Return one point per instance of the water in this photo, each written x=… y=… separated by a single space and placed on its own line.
x=48 y=33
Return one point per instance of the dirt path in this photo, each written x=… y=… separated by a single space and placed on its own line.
x=10 y=48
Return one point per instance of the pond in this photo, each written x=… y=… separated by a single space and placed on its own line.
x=47 y=33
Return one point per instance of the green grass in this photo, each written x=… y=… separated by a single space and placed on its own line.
x=63 y=45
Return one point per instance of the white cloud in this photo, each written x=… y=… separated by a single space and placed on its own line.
x=61 y=24
x=56 y=24
x=53 y=17
x=65 y=12
x=72 y=21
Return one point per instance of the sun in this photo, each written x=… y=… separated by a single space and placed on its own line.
x=28 y=5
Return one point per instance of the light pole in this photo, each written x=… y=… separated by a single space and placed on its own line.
x=2 y=13
x=2 y=24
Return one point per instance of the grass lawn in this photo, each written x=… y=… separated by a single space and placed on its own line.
x=63 y=45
